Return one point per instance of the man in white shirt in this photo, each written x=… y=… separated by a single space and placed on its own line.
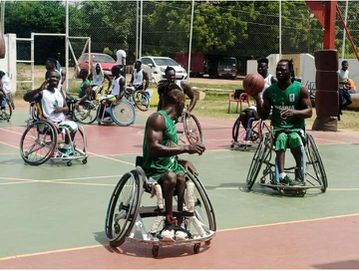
x=344 y=96
x=121 y=57
x=4 y=89
x=139 y=77
x=53 y=106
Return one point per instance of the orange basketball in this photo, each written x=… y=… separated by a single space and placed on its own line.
x=253 y=83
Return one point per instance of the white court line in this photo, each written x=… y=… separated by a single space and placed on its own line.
x=223 y=230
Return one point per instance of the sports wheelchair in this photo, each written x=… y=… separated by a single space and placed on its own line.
x=130 y=214
x=248 y=138
x=43 y=140
x=190 y=132
x=312 y=168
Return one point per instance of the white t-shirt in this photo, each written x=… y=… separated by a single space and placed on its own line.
x=121 y=57
x=5 y=81
x=48 y=102
x=343 y=75
x=116 y=86
x=137 y=77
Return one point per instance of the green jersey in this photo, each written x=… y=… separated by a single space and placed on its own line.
x=284 y=99
x=156 y=167
x=82 y=87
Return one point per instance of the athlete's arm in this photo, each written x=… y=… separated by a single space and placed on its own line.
x=2 y=44
x=190 y=93
x=33 y=94
x=145 y=78
x=263 y=106
x=156 y=125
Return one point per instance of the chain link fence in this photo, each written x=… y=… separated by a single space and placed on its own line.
x=241 y=29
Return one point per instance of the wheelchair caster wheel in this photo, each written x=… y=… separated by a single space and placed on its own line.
x=207 y=243
x=84 y=161
x=155 y=250
x=69 y=163
x=196 y=248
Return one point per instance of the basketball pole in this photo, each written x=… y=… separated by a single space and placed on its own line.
x=190 y=43
x=344 y=32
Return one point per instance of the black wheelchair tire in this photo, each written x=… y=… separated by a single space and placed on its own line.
x=53 y=134
x=187 y=128
x=261 y=152
x=318 y=166
x=119 y=238
x=91 y=108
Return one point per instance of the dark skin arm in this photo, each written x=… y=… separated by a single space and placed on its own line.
x=263 y=107
x=33 y=94
x=145 y=77
x=156 y=124
x=190 y=93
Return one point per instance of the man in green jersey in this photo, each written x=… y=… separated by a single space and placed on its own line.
x=160 y=150
x=290 y=105
x=85 y=87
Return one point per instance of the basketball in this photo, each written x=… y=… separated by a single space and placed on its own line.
x=253 y=83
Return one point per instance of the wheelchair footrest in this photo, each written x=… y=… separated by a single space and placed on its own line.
x=153 y=211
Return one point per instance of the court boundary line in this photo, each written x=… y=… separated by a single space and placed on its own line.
x=222 y=230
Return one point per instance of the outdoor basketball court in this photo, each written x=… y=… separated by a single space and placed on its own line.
x=52 y=216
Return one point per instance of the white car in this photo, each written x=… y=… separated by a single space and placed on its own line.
x=155 y=67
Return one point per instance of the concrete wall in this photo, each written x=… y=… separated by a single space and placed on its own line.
x=8 y=64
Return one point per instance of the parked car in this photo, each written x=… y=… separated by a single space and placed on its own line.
x=227 y=67
x=106 y=61
x=155 y=67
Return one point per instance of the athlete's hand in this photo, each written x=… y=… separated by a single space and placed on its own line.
x=58 y=109
x=45 y=84
x=195 y=148
x=189 y=167
x=286 y=113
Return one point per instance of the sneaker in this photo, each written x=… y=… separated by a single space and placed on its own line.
x=286 y=180
x=181 y=235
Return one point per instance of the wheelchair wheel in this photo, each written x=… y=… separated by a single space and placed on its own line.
x=87 y=112
x=123 y=208
x=6 y=113
x=238 y=132
x=315 y=161
x=203 y=211
x=192 y=128
x=80 y=142
x=123 y=113
x=141 y=100
x=261 y=154
x=38 y=142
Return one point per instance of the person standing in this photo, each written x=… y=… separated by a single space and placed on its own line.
x=344 y=96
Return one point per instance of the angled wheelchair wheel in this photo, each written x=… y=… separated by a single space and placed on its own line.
x=203 y=208
x=86 y=113
x=38 y=142
x=262 y=153
x=141 y=100
x=315 y=169
x=123 y=113
x=192 y=128
x=80 y=142
x=238 y=132
x=123 y=208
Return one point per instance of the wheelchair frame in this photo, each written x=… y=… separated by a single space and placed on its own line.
x=314 y=175
x=125 y=219
x=44 y=137
x=248 y=139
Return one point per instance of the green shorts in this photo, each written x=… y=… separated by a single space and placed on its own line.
x=157 y=176
x=284 y=140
